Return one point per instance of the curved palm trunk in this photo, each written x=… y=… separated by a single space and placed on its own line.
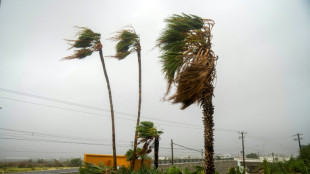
x=156 y=148
x=208 y=111
x=139 y=109
x=111 y=108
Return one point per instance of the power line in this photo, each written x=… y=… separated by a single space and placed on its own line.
x=30 y=151
x=187 y=148
x=96 y=108
x=56 y=135
x=51 y=99
x=34 y=138
x=270 y=140
x=178 y=124
x=57 y=141
x=82 y=105
x=90 y=113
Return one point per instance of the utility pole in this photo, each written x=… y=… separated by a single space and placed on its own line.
x=242 y=137
x=201 y=153
x=298 y=138
x=171 y=151
x=272 y=157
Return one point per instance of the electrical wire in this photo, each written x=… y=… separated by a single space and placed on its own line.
x=180 y=124
x=56 y=135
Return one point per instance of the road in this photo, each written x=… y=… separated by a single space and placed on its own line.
x=62 y=171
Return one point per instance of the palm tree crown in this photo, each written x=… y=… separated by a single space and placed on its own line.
x=87 y=42
x=127 y=42
x=187 y=58
x=147 y=131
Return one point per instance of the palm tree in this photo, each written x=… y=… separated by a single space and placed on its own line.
x=127 y=42
x=88 y=42
x=189 y=62
x=147 y=134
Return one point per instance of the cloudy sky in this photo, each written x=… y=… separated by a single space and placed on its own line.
x=53 y=108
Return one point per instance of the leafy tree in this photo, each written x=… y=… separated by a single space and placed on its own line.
x=127 y=42
x=88 y=42
x=189 y=62
x=147 y=134
x=252 y=155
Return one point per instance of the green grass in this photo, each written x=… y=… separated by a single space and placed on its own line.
x=16 y=169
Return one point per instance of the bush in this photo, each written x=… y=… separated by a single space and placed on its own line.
x=76 y=162
x=25 y=164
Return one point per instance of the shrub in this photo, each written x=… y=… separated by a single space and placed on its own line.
x=76 y=162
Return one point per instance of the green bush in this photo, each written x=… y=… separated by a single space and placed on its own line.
x=76 y=162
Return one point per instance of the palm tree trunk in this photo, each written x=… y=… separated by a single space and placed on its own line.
x=208 y=111
x=156 y=148
x=139 y=109
x=111 y=108
x=142 y=161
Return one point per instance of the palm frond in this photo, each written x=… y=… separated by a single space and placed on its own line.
x=187 y=58
x=87 y=42
x=80 y=54
x=127 y=42
x=147 y=133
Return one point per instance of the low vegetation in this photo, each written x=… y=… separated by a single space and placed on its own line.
x=32 y=165
x=102 y=169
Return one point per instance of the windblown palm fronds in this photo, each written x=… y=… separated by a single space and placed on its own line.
x=129 y=154
x=147 y=134
x=127 y=42
x=187 y=58
x=87 y=42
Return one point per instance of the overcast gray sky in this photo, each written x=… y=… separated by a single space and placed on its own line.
x=262 y=77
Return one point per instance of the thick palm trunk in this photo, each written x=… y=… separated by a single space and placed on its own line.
x=139 y=109
x=111 y=108
x=156 y=148
x=208 y=111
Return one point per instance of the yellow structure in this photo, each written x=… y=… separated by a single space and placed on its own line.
x=108 y=160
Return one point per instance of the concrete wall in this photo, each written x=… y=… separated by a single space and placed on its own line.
x=220 y=166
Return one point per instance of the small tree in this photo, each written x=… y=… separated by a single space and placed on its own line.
x=147 y=133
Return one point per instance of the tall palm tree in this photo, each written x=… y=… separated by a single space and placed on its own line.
x=147 y=134
x=88 y=42
x=127 y=42
x=189 y=62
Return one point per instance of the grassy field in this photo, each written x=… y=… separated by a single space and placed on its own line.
x=16 y=169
